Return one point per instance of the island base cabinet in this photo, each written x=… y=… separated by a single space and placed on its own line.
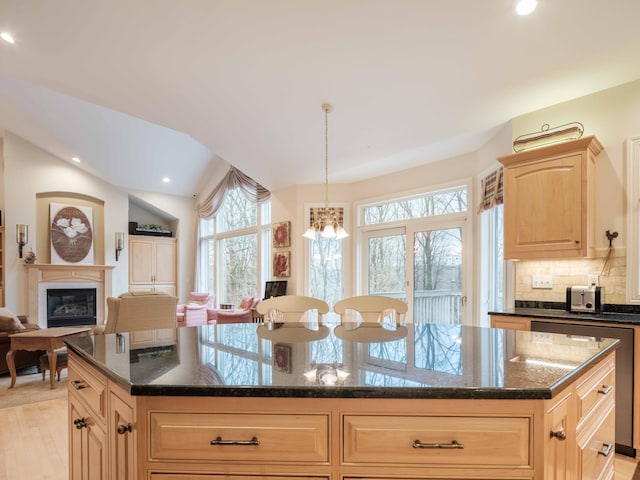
x=87 y=442
x=204 y=437
x=122 y=456
x=597 y=448
x=561 y=441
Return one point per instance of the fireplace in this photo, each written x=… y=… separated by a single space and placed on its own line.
x=67 y=307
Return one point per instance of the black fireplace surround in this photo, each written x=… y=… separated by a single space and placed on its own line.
x=68 y=307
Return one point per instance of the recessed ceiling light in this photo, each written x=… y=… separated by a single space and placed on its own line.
x=7 y=37
x=166 y=179
x=75 y=159
x=525 y=7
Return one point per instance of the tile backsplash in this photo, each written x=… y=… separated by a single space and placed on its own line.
x=571 y=272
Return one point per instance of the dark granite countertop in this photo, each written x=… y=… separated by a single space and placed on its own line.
x=418 y=361
x=555 y=313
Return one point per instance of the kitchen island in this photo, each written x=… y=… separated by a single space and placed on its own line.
x=251 y=401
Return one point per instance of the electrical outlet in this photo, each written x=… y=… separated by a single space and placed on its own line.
x=542 y=337
x=593 y=279
x=542 y=281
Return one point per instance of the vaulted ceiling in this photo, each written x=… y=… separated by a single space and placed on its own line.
x=143 y=89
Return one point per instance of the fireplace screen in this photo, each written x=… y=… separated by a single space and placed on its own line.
x=71 y=306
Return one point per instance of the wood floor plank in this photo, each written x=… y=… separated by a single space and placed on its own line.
x=34 y=441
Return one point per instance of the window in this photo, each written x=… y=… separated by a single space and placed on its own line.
x=234 y=249
x=412 y=248
x=492 y=265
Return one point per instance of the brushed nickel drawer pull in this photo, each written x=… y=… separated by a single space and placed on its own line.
x=559 y=434
x=220 y=441
x=78 y=385
x=453 y=444
x=606 y=449
x=605 y=389
x=122 y=429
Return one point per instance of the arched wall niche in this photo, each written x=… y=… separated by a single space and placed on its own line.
x=42 y=241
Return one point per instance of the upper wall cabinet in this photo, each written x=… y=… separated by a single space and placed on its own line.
x=549 y=201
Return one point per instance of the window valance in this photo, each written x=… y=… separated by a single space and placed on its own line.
x=233 y=179
x=492 y=190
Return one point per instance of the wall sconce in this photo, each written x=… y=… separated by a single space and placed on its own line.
x=22 y=237
x=119 y=243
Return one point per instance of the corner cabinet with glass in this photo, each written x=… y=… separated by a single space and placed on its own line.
x=549 y=201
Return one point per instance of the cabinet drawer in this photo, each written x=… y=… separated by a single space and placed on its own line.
x=243 y=437
x=91 y=388
x=597 y=387
x=598 y=451
x=390 y=439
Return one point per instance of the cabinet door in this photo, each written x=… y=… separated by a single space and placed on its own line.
x=122 y=453
x=543 y=209
x=165 y=262
x=87 y=444
x=141 y=258
x=560 y=442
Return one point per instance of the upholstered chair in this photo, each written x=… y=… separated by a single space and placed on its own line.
x=139 y=311
x=194 y=312
x=244 y=313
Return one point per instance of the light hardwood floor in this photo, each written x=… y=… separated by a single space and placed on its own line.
x=34 y=443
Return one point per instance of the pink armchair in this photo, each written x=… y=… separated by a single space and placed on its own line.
x=242 y=314
x=194 y=312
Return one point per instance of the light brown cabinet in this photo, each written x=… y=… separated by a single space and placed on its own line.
x=152 y=264
x=549 y=201
x=102 y=433
x=87 y=428
x=165 y=438
x=122 y=447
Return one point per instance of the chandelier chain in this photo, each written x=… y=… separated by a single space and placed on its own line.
x=326 y=108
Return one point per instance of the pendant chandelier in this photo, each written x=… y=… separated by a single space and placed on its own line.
x=327 y=220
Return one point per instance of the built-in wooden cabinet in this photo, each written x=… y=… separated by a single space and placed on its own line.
x=152 y=264
x=595 y=398
x=122 y=446
x=87 y=424
x=102 y=421
x=549 y=201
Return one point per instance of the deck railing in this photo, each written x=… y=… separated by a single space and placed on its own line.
x=434 y=306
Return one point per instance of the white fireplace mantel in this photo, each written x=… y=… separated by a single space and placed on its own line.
x=42 y=276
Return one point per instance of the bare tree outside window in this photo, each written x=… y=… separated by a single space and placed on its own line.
x=326 y=270
x=229 y=249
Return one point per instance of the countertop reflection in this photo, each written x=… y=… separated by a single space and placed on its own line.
x=422 y=360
